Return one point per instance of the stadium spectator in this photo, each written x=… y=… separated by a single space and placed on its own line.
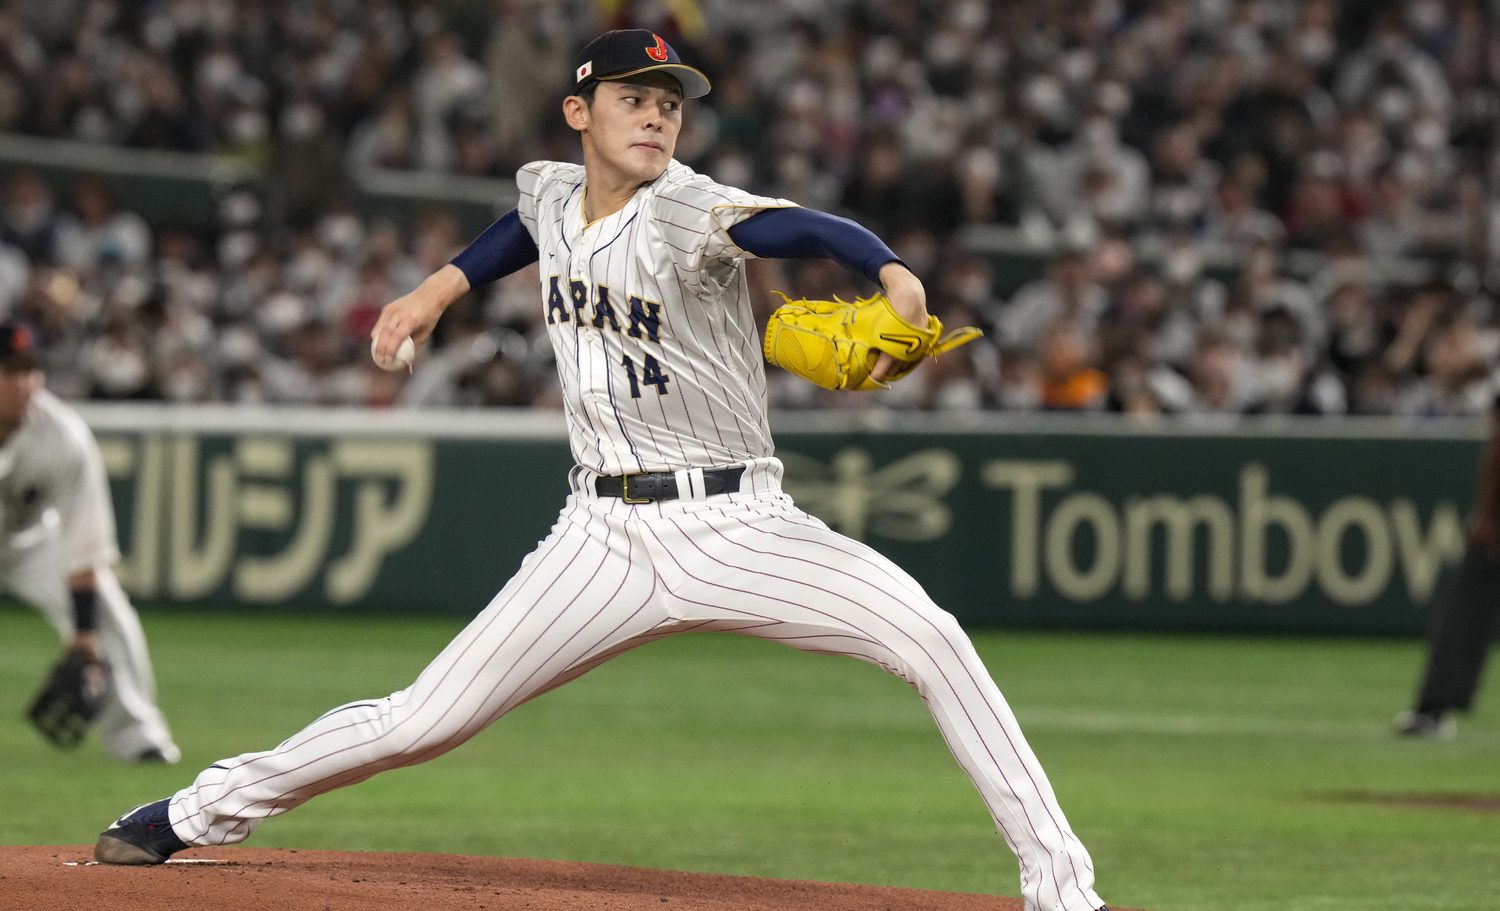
x=1067 y=293
x=1453 y=382
x=96 y=236
x=30 y=221
x=1069 y=383
x=1219 y=379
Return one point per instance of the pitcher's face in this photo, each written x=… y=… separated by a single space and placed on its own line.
x=632 y=127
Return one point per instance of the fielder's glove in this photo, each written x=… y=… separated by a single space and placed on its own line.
x=835 y=343
x=70 y=698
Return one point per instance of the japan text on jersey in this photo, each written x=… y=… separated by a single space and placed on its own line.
x=650 y=320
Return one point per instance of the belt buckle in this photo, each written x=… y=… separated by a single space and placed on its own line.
x=625 y=491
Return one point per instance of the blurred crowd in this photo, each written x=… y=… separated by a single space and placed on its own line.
x=1245 y=206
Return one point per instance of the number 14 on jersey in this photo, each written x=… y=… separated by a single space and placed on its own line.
x=651 y=374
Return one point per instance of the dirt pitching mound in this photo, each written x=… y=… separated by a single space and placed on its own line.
x=65 y=879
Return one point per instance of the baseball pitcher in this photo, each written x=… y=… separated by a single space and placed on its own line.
x=676 y=521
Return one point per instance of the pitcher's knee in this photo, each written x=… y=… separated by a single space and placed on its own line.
x=938 y=632
x=383 y=729
x=923 y=647
x=415 y=739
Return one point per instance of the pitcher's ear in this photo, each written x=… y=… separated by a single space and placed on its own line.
x=576 y=112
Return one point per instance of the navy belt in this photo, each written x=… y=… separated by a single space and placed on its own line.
x=651 y=486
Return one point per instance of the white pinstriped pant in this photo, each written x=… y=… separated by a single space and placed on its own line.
x=612 y=576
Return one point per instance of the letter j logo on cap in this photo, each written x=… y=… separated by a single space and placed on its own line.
x=657 y=51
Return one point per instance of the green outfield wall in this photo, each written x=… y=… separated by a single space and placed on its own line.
x=1344 y=527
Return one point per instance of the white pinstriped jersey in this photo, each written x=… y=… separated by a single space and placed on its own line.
x=51 y=465
x=650 y=319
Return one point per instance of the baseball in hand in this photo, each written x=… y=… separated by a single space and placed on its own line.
x=405 y=352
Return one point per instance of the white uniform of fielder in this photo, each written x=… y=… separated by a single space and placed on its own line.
x=661 y=369
x=57 y=520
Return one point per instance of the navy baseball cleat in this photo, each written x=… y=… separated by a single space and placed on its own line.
x=141 y=837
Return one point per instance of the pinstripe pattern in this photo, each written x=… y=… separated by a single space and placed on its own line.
x=668 y=246
x=579 y=595
x=612 y=576
x=829 y=585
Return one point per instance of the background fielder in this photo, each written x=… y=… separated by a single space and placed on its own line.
x=58 y=531
x=676 y=521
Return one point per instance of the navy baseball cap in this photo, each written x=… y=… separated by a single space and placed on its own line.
x=18 y=347
x=628 y=51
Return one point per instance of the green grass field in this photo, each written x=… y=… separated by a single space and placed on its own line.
x=1204 y=773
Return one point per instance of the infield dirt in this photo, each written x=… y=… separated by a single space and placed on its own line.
x=65 y=879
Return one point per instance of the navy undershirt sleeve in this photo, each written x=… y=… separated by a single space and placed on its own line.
x=797 y=233
x=504 y=247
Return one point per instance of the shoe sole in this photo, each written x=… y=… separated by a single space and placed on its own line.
x=110 y=849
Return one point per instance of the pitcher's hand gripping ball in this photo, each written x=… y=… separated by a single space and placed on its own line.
x=835 y=343
x=69 y=699
x=406 y=352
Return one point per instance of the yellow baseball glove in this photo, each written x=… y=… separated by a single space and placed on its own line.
x=835 y=343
